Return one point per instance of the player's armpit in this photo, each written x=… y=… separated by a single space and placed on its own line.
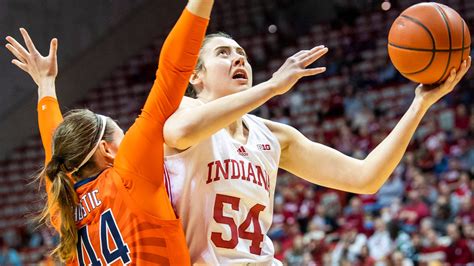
x=315 y=162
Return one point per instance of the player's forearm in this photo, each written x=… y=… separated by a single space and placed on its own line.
x=381 y=162
x=189 y=126
x=200 y=8
x=46 y=88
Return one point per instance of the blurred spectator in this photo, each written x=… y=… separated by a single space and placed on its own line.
x=458 y=252
x=295 y=256
x=392 y=189
x=431 y=251
x=8 y=255
x=398 y=259
x=364 y=258
x=413 y=211
x=349 y=246
x=354 y=214
x=441 y=214
x=380 y=243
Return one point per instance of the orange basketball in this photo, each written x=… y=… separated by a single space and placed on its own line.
x=426 y=41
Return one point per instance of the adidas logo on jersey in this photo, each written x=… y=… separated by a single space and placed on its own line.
x=242 y=151
x=264 y=147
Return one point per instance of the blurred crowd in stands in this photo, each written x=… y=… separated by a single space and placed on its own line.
x=423 y=214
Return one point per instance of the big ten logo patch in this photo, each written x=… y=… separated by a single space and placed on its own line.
x=264 y=147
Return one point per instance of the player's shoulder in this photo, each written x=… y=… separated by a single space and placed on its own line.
x=284 y=133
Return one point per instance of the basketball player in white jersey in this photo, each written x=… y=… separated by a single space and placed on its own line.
x=222 y=162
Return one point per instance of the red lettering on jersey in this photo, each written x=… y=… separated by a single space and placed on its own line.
x=260 y=175
x=235 y=170
x=242 y=168
x=220 y=169
x=251 y=173
x=209 y=172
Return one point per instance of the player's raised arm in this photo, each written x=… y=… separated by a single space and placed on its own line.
x=327 y=167
x=190 y=125
x=141 y=151
x=43 y=70
x=177 y=60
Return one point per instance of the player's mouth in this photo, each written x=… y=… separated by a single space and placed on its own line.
x=240 y=75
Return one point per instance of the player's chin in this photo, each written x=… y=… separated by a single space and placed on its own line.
x=241 y=86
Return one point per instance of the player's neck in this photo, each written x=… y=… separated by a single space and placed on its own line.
x=238 y=131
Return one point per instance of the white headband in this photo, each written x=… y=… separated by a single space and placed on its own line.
x=89 y=155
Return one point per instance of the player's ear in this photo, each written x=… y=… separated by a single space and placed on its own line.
x=195 y=78
x=107 y=151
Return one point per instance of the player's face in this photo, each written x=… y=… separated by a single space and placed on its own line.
x=226 y=69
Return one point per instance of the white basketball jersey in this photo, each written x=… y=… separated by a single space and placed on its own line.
x=223 y=192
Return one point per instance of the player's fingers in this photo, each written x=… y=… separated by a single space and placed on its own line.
x=314 y=56
x=463 y=69
x=452 y=76
x=299 y=54
x=466 y=64
x=29 y=43
x=21 y=65
x=15 y=52
x=304 y=53
x=17 y=46
x=53 y=48
x=312 y=71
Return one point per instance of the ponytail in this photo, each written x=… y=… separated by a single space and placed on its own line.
x=61 y=202
x=64 y=195
x=74 y=143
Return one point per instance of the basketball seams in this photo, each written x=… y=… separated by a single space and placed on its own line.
x=419 y=23
x=462 y=43
x=428 y=50
x=443 y=16
x=445 y=47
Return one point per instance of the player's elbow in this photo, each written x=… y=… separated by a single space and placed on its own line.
x=178 y=137
x=369 y=190
x=370 y=185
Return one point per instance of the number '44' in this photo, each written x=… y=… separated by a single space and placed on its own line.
x=108 y=227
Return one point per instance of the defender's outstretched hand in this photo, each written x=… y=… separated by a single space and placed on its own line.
x=430 y=94
x=41 y=68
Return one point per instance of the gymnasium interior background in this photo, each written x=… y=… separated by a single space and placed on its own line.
x=108 y=54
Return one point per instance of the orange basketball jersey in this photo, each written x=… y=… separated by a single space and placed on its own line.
x=124 y=215
x=112 y=230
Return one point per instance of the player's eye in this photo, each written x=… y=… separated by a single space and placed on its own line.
x=222 y=51
x=242 y=53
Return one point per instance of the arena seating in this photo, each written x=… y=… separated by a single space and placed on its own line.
x=351 y=107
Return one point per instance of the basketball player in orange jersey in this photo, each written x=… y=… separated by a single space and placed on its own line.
x=106 y=195
x=222 y=162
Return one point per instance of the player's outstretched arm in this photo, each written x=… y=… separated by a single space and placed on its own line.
x=43 y=70
x=191 y=124
x=325 y=166
x=177 y=60
x=141 y=151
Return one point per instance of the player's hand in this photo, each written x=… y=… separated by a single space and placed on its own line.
x=430 y=94
x=294 y=68
x=41 y=68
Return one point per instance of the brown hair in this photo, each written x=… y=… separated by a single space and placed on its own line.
x=191 y=91
x=74 y=138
